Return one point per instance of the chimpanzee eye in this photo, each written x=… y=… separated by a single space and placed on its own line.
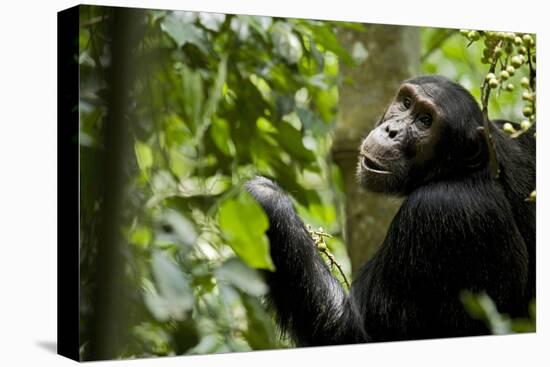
x=425 y=120
x=407 y=102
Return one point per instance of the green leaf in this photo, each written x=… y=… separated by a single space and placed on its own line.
x=197 y=186
x=240 y=27
x=358 y=27
x=183 y=31
x=326 y=101
x=193 y=95
x=286 y=43
x=291 y=140
x=175 y=228
x=144 y=155
x=324 y=36
x=242 y=277
x=258 y=24
x=265 y=125
x=157 y=14
x=244 y=223
x=180 y=165
x=174 y=297
x=212 y=21
x=216 y=91
x=481 y=307
x=141 y=236
x=221 y=134
x=263 y=87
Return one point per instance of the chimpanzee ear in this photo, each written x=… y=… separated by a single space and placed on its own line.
x=479 y=150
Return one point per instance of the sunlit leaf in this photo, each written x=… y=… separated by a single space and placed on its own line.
x=481 y=307
x=180 y=165
x=162 y=185
x=263 y=87
x=326 y=101
x=141 y=236
x=265 y=125
x=157 y=14
x=286 y=43
x=240 y=27
x=144 y=155
x=212 y=21
x=175 y=228
x=244 y=224
x=258 y=24
x=196 y=186
x=184 y=32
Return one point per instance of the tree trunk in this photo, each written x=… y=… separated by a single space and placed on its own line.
x=108 y=326
x=393 y=56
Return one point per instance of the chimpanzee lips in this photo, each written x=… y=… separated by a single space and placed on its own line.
x=371 y=165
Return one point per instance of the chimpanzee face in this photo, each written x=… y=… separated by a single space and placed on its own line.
x=403 y=141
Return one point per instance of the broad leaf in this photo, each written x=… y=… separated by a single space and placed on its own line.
x=244 y=223
x=183 y=31
x=286 y=43
x=144 y=155
x=212 y=21
x=175 y=228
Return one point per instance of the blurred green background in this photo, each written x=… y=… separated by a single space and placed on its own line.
x=210 y=101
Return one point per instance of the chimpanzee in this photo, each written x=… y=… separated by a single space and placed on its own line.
x=459 y=228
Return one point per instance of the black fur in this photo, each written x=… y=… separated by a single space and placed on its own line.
x=454 y=232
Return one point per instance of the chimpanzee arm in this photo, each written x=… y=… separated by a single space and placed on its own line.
x=309 y=301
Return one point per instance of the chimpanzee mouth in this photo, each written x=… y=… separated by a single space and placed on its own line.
x=371 y=165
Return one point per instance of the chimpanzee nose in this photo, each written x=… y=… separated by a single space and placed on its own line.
x=392 y=132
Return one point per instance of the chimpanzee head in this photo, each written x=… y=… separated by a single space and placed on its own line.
x=428 y=132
